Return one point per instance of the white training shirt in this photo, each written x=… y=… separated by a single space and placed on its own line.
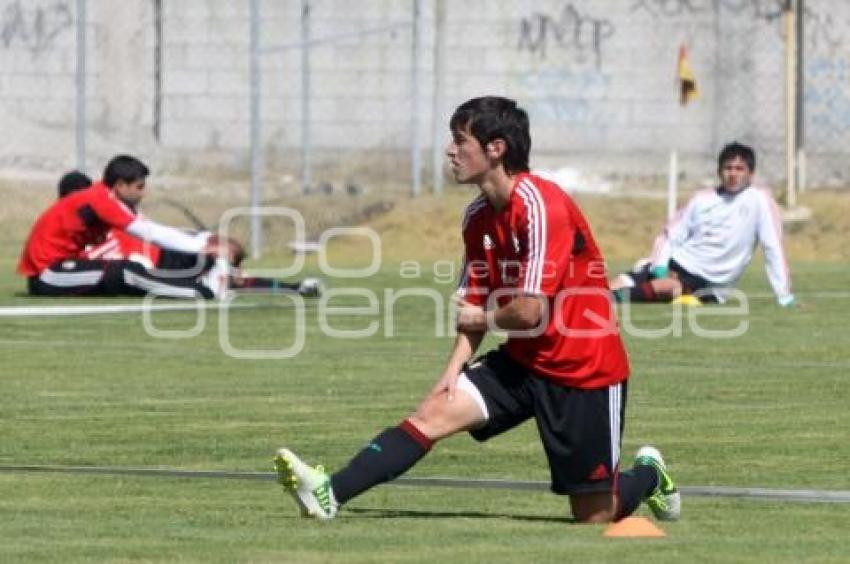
x=715 y=235
x=167 y=237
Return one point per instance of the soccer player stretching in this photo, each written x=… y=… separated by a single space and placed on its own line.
x=531 y=268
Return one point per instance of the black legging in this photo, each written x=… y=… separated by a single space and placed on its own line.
x=112 y=278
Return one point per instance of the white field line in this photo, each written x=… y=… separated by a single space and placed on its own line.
x=107 y=309
x=803 y=295
x=776 y=494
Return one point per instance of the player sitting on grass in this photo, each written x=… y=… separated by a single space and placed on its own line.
x=533 y=269
x=708 y=245
x=120 y=245
x=52 y=257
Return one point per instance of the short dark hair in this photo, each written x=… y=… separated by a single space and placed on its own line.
x=493 y=117
x=736 y=149
x=72 y=181
x=126 y=168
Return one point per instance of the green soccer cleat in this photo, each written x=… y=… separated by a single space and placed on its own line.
x=666 y=501
x=310 y=487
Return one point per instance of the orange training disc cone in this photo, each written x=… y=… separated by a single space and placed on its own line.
x=633 y=527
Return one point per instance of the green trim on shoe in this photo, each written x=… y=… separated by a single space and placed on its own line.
x=665 y=501
x=289 y=481
x=309 y=487
x=324 y=494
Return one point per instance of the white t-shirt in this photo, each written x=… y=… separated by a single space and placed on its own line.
x=715 y=235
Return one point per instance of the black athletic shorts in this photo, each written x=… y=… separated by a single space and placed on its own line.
x=580 y=429
x=111 y=278
x=693 y=284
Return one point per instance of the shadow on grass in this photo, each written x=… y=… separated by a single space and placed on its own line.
x=414 y=514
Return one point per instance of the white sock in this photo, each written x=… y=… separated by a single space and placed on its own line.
x=217 y=278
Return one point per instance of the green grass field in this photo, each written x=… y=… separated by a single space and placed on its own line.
x=766 y=409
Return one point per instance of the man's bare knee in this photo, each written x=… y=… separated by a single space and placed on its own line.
x=603 y=516
x=437 y=417
x=432 y=418
x=593 y=508
x=669 y=288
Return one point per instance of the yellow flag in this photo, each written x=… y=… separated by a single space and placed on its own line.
x=688 y=90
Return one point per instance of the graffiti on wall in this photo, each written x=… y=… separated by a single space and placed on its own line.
x=566 y=79
x=565 y=95
x=766 y=10
x=577 y=35
x=827 y=97
x=33 y=27
x=824 y=31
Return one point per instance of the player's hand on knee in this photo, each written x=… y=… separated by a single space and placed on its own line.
x=446 y=384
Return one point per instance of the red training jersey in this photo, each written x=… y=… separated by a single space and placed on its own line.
x=120 y=245
x=541 y=244
x=65 y=228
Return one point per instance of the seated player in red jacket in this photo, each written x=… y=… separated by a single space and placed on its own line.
x=53 y=259
x=120 y=245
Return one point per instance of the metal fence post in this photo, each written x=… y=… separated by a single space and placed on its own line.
x=800 y=141
x=157 y=72
x=437 y=125
x=306 y=149
x=256 y=150
x=80 y=118
x=415 y=141
x=790 y=104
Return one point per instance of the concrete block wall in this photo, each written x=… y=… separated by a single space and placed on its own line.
x=597 y=76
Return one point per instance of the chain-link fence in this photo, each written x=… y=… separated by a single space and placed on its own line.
x=339 y=90
x=345 y=95
x=826 y=98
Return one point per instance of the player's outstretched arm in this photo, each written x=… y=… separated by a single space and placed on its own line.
x=167 y=237
x=775 y=262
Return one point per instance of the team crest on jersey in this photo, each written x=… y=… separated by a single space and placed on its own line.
x=488 y=242
x=69 y=265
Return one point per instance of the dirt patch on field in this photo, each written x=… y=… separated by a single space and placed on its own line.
x=425 y=228
x=428 y=227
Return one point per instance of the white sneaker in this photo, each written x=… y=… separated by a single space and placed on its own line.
x=310 y=288
x=666 y=501
x=217 y=279
x=310 y=487
x=624 y=281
